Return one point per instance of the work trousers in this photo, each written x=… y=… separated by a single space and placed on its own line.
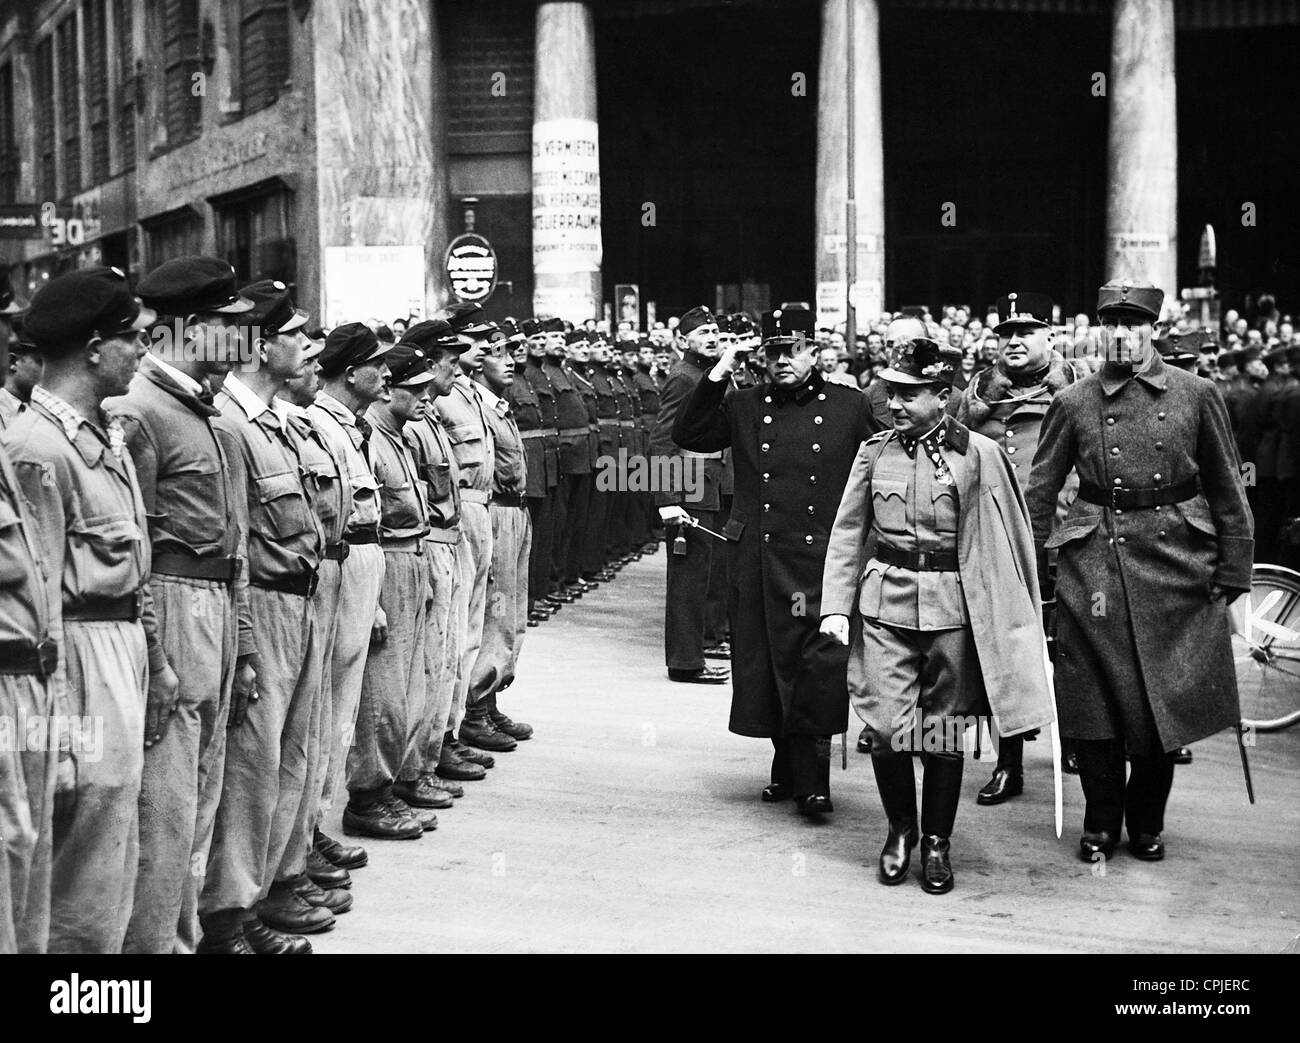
x=476 y=534
x=300 y=757
x=28 y=769
x=97 y=842
x=266 y=755
x=363 y=576
x=181 y=788
x=506 y=618
x=392 y=687
x=440 y=647
x=687 y=595
x=1110 y=803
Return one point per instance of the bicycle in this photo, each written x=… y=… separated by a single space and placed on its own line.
x=1266 y=649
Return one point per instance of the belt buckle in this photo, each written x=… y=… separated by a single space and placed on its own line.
x=47 y=656
x=922 y=560
x=1115 y=490
x=347 y=549
x=139 y=603
x=312 y=582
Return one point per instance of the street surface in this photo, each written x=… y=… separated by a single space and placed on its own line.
x=631 y=823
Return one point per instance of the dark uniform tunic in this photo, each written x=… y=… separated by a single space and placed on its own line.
x=535 y=405
x=793 y=454
x=573 y=492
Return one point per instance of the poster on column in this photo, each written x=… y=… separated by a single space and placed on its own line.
x=566 y=215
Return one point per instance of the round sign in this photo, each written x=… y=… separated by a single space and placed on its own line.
x=471 y=267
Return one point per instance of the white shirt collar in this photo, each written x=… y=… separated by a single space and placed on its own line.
x=490 y=397
x=243 y=397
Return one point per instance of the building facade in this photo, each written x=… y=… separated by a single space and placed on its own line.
x=697 y=150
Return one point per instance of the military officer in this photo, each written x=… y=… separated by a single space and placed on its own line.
x=353 y=375
x=393 y=686
x=258 y=825
x=28 y=660
x=506 y=616
x=689 y=484
x=77 y=477
x=20 y=371
x=585 y=515
x=793 y=444
x=647 y=382
x=1007 y=402
x=1161 y=534
x=948 y=602
x=199 y=587
x=603 y=520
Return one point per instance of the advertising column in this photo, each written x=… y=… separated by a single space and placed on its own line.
x=566 y=166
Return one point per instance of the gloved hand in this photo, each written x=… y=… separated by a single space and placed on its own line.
x=836 y=627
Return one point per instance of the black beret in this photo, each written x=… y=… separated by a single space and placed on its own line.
x=576 y=337
x=273 y=311
x=352 y=344
x=385 y=333
x=511 y=329
x=80 y=305
x=408 y=366
x=694 y=319
x=433 y=335
x=190 y=285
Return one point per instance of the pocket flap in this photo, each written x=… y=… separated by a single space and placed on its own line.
x=273 y=486
x=109 y=530
x=734 y=528
x=885 y=487
x=458 y=434
x=1199 y=517
x=1075 y=527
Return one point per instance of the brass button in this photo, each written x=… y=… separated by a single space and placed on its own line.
x=812 y=478
x=1121 y=539
x=1161 y=534
x=1160 y=445
x=807 y=539
x=767 y=506
x=817 y=447
x=812 y=509
x=1119 y=510
x=1111 y=540
x=766 y=446
x=1157 y=507
x=767 y=537
x=1011 y=450
x=821 y=397
x=817 y=420
x=1114 y=451
x=1156 y=477
x=767 y=419
x=1118 y=482
x=1160 y=416
x=1110 y=420
x=766 y=476
x=768 y=399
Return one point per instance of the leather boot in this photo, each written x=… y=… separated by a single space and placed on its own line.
x=940 y=793
x=779 y=788
x=810 y=771
x=290 y=913
x=324 y=873
x=1009 y=776
x=345 y=856
x=478 y=730
x=223 y=935
x=336 y=900
x=897 y=787
x=421 y=793
x=515 y=729
x=455 y=768
x=266 y=942
x=468 y=754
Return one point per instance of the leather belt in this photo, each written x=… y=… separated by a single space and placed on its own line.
x=23 y=657
x=362 y=537
x=528 y=435
x=184 y=565
x=304 y=584
x=1119 y=498
x=628 y=423
x=608 y=422
x=690 y=455
x=474 y=496
x=574 y=432
x=918 y=560
x=337 y=551
x=507 y=500
x=100 y=610
x=413 y=544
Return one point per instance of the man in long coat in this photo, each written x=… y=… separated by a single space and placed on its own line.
x=793 y=442
x=932 y=548
x=1154 y=549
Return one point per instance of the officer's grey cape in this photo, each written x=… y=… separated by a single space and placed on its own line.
x=996 y=562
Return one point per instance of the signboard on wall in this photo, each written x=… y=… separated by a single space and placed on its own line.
x=379 y=282
x=567 y=249
x=471 y=266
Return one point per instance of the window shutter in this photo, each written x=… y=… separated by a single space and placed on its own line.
x=97 y=87
x=263 y=52
x=123 y=18
x=70 y=83
x=46 y=132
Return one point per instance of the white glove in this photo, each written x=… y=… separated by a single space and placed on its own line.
x=674 y=516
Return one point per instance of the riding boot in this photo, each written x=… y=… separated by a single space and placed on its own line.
x=940 y=793
x=897 y=787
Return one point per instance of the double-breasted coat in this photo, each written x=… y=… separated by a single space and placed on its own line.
x=1143 y=653
x=792 y=456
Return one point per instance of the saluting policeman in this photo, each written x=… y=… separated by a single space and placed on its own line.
x=199 y=586
x=77 y=476
x=1160 y=539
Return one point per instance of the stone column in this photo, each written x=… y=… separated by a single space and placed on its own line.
x=381 y=158
x=566 y=165
x=1142 y=161
x=832 y=163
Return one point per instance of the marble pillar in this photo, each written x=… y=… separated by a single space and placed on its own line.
x=567 y=245
x=1142 y=159
x=381 y=158
x=832 y=164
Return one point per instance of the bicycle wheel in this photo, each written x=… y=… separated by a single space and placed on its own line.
x=1266 y=649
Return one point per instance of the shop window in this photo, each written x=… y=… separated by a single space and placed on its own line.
x=123 y=21
x=93 y=18
x=178 y=233
x=46 y=134
x=70 y=104
x=254 y=232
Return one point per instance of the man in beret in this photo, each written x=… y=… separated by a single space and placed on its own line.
x=1007 y=402
x=1160 y=538
x=393 y=687
x=20 y=371
x=76 y=474
x=647 y=382
x=930 y=537
x=603 y=518
x=575 y=452
x=533 y=400
x=353 y=374
x=431 y=775
x=793 y=441
x=199 y=585
x=259 y=844
x=687 y=483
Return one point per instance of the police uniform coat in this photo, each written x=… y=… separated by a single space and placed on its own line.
x=705 y=466
x=1143 y=653
x=995 y=565
x=792 y=457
